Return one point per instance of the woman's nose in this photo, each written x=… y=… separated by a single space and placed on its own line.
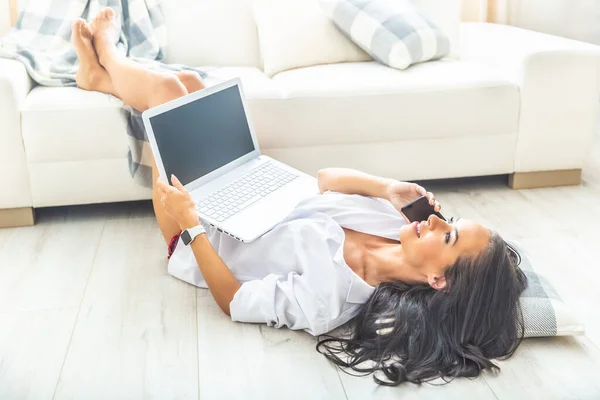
x=433 y=221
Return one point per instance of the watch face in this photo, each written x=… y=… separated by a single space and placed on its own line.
x=185 y=236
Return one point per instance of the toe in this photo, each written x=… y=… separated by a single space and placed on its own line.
x=76 y=29
x=76 y=25
x=109 y=13
x=86 y=31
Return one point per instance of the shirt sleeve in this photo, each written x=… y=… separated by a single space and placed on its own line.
x=280 y=301
x=365 y=214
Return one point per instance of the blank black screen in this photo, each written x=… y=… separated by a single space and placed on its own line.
x=199 y=137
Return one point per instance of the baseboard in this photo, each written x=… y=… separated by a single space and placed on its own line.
x=12 y=217
x=539 y=179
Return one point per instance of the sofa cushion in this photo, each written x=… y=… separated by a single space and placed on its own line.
x=391 y=31
x=368 y=102
x=297 y=33
x=61 y=124
x=69 y=124
x=334 y=104
x=209 y=32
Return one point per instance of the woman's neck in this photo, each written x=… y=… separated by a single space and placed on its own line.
x=384 y=262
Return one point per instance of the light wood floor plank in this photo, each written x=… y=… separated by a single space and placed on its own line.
x=43 y=274
x=243 y=361
x=46 y=266
x=360 y=388
x=549 y=368
x=136 y=332
x=33 y=345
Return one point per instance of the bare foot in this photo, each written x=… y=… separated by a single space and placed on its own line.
x=90 y=75
x=105 y=32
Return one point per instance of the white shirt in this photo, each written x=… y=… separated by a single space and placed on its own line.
x=295 y=275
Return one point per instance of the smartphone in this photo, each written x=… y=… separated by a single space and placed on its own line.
x=419 y=210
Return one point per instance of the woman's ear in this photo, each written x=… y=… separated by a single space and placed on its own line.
x=437 y=282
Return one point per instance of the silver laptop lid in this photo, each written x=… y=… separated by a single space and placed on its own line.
x=203 y=135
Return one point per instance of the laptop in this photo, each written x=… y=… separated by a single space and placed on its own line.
x=207 y=141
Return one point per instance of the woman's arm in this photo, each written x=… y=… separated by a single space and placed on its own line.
x=179 y=205
x=221 y=282
x=350 y=181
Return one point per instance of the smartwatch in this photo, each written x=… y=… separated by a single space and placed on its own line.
x=189 y=235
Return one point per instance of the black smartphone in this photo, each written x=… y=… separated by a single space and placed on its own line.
x=419 y=210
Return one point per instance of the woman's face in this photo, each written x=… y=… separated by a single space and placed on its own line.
x=433 y=245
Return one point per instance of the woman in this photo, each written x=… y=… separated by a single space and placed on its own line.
x=425 y=300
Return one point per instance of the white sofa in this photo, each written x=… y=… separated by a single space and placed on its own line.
x=513 y=102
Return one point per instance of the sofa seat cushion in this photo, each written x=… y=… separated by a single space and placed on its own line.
x=368 y=102
x=323 y=105
x=69 y=124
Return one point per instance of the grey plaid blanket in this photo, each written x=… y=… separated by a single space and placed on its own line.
x=41 y=40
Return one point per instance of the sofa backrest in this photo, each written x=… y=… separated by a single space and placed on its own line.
x=223 y=32
x=445 y=14
x=211 y=32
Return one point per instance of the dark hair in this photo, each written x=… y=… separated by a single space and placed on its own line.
x=417 y=334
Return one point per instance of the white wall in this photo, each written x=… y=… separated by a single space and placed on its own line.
x=4 y=17
x=576 y=19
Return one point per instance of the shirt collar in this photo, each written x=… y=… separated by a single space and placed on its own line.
x=359 y=290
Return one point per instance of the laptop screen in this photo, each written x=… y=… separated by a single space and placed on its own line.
x=203 y=135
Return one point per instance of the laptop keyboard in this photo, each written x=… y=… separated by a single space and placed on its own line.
x=244 y=191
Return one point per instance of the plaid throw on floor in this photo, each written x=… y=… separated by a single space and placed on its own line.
x=41 y=40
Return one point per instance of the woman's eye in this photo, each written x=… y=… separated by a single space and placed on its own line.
x=451 y=220
x=448 y=237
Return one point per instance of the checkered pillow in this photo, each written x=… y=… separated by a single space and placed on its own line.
x=544 y=312
x=391 y=31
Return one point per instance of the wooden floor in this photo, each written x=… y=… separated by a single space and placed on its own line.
x=88 y=311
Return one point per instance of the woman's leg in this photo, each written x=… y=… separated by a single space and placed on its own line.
x=141 y=89
x=92 y=76
x=136 y=85
x=191 y=80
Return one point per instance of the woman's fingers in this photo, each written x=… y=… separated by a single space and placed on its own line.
x=431 y=198
x=177 y=183
x=429 y=195
x=161 y=186
x=166 y=192
x=421 y=190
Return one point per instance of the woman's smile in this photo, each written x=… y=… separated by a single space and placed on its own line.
x=417 y=227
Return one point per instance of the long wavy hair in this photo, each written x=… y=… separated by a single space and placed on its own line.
x=417 y=334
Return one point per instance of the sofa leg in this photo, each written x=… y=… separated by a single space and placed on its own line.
x=539 y=179
x=11 y=217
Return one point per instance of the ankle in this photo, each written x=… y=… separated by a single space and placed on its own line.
x=104 y=49
x=105 y=55
x=90 y=78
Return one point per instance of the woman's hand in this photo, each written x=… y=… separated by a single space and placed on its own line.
x=402 y=193
x=178 y=203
